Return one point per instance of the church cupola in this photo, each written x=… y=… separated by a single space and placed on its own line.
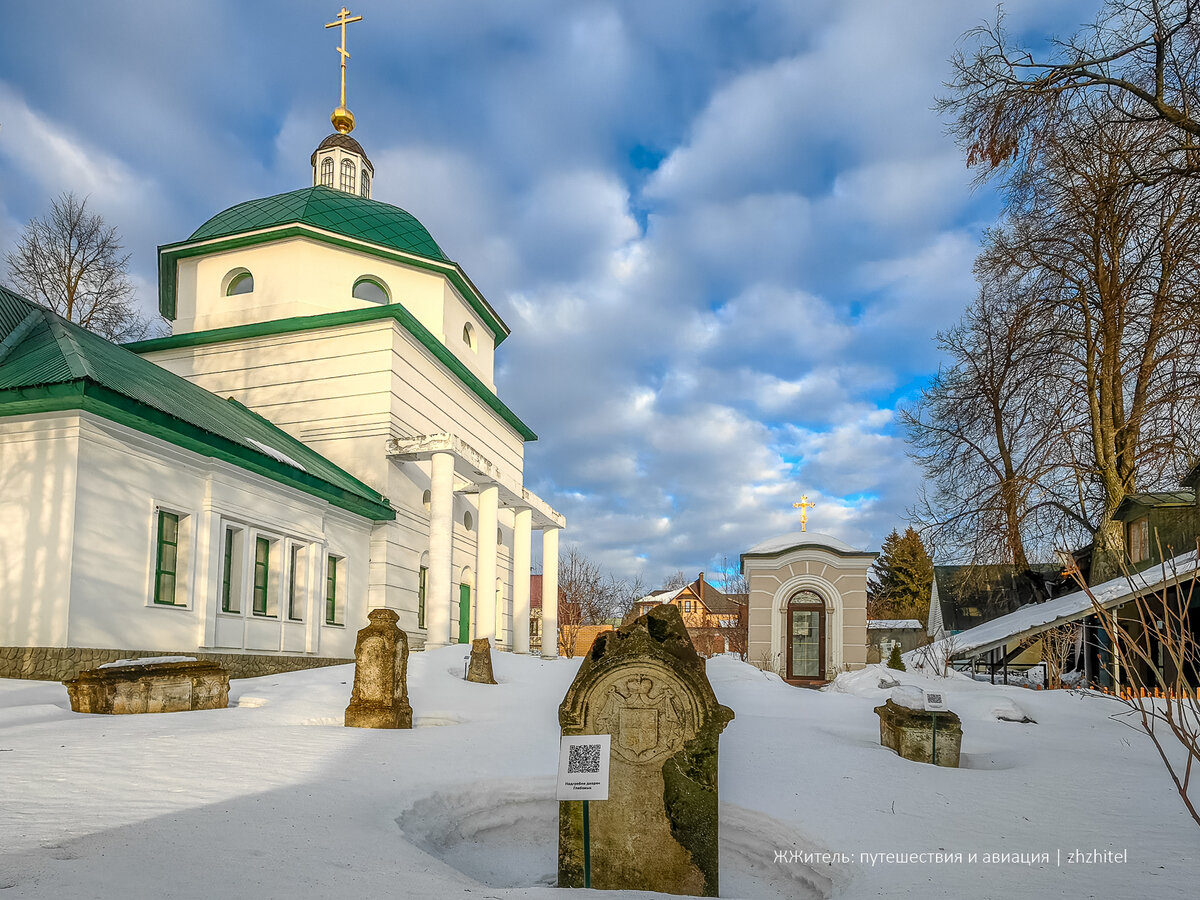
x=339 y=161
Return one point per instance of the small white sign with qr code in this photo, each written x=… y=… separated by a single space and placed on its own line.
x=935 y=701
x=583 y=767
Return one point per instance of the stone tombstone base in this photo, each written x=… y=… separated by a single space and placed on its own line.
x=379 y=698
x=480 y=668
x=150 y=688
x=645 y=685
x=910 y=733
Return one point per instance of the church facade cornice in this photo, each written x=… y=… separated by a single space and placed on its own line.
x=169 y=255
x=394 y=311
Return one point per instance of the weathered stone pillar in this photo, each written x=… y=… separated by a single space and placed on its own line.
x=485 y=563
x=549 y=593
x=439 y=579
x=522 y=556
x=479 y=669
x=645 y=685
x=380 y=695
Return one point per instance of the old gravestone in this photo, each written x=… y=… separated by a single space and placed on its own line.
x=910 y=733
x=151 y=685
x=480 y=668
x=380 y=695
x=645 y=685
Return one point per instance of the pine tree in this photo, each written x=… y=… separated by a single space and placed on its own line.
x=894 y=660
x=901 y=579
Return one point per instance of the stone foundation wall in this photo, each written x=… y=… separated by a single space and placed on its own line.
x=61 y=663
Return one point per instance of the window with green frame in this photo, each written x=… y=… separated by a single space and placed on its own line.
x=166 y=558
x=262 y=571
x=227 y=574
x=331 y=591
x=295 y=601
x=421 y=575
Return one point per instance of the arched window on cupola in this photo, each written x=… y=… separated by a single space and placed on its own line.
x=373 y=290
x=349 y=176
x=366 y=183
x=327 y=171
x=238 y=281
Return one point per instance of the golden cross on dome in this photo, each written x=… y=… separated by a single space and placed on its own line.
x=342 y=118
x=804 y=506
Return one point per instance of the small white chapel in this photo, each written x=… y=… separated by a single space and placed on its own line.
x=807 y=605
x=319 y=435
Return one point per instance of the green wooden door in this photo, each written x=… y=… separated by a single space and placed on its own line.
x=464 y=613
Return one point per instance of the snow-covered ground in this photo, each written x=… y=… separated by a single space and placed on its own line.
x=274 y=798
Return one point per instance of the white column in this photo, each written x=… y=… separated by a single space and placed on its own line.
x=522 y=554
x=210 y=556
x=549 y=593
x=485 y=563
x=439 y=579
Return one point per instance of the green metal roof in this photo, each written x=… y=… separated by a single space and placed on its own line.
x=41 y=353
x=332 y=210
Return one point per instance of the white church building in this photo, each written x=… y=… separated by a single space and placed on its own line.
x=320 y=435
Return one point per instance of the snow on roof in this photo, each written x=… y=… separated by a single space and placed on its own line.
x=799 y=538
x=1037 y=617
x=277 y=454
x=666 y=595
x=894 y=623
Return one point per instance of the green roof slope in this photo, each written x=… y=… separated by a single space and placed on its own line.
x=47 y=362
x=332 y=210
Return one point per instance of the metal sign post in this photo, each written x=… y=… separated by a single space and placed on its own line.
x=587 y=848
x=583 y=775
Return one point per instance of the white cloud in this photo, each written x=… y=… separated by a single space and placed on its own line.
x=723 y=235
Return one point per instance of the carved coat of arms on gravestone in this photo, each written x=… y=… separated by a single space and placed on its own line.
x=645 y=717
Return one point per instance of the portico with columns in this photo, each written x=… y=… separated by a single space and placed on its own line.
x=456 y=468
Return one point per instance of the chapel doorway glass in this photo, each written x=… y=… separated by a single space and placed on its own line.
x=806 y=637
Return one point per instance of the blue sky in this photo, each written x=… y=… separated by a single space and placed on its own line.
x=723 y=234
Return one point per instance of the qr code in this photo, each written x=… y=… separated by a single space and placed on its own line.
x=933 y=698
x=584 y=758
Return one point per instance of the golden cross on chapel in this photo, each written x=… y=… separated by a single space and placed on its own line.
x=342 y=118
x=804 y=506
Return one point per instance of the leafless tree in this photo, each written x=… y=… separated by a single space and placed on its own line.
x=1074 y=380
x=1057 y=645
x=734 y=628
x=985 y=432
x=71 y=262
x=584 y=600
x=624 y=593
x=1113 y=263
x=1138 y=62
x=675 y=580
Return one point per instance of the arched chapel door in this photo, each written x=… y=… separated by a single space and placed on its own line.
x=805 y=626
